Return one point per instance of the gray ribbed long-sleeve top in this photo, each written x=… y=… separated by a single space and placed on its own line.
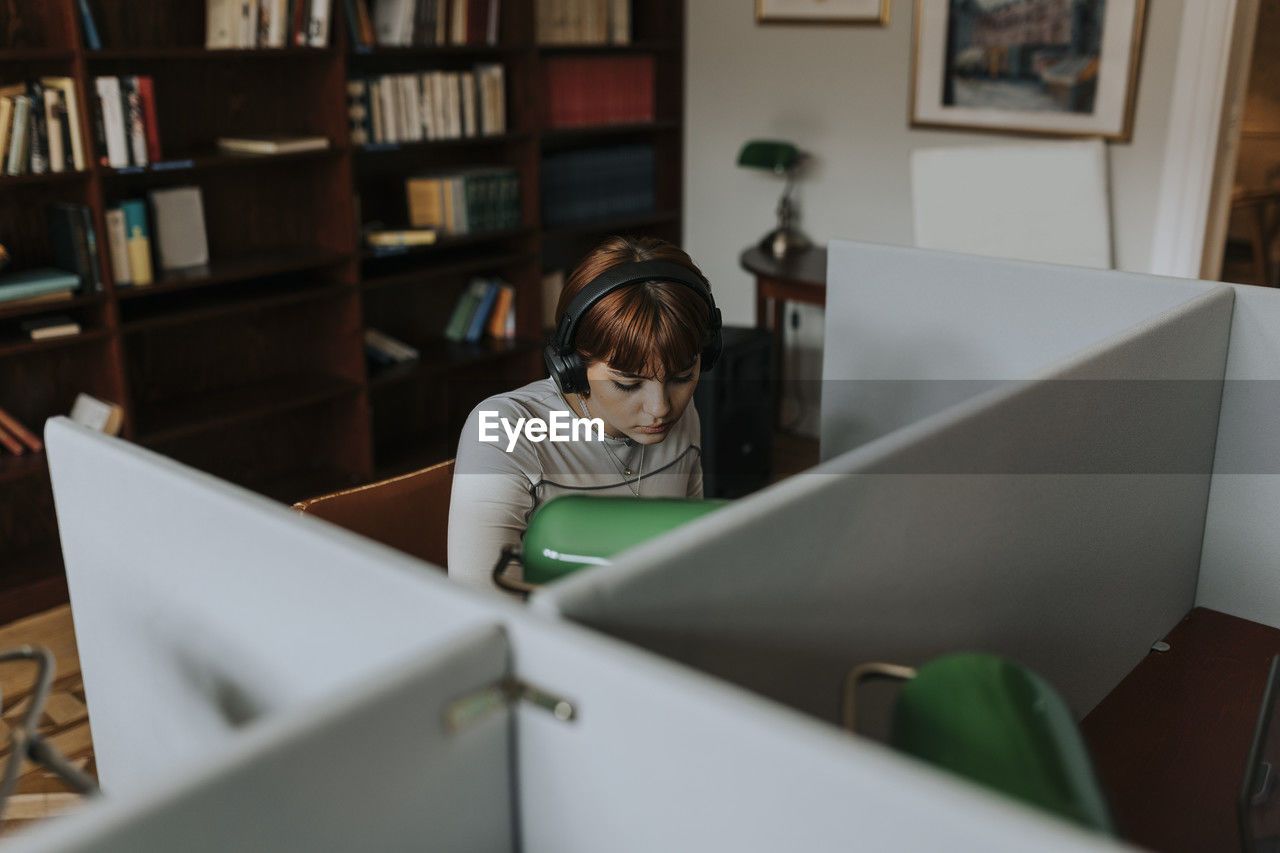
x=496 y=491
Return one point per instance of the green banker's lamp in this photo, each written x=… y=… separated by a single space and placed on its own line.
x=780 y=158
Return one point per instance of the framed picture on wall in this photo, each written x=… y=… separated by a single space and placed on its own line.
x=823 y=11
x=1060 y=67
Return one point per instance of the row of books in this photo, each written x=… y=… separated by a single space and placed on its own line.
x=593 y=183
x=125 y=125
x=40 y=127
x=588 y=90
x=466 y=201
x=404 y=23
x=266 y=23
x=486 y=307
x=87 y=410
x=384 y=350
x=15 y=437
x=428 y=105
x=179 y=240
x=583 y=21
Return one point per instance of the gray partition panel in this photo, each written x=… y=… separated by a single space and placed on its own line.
x=912 y=332
x=373 y=770
x=661 y=758
x=1056 y=521
x=1240 y=565
x=223 y=607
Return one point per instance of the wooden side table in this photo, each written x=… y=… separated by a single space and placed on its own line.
x=801 y=277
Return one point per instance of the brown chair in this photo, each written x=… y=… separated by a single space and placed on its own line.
x=409 y=513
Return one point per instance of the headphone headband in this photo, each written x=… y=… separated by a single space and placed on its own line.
x=563 y=362
x=621 y=276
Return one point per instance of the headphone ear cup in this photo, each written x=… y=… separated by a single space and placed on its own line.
x=560 y=372
x=575 y=375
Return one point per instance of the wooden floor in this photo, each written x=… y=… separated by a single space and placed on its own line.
x=66 y=721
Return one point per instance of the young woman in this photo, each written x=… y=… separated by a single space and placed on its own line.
x=637 y=326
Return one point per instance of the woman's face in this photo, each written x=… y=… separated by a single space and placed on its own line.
x=642 y=408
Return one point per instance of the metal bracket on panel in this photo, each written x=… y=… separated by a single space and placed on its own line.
x=465 y=712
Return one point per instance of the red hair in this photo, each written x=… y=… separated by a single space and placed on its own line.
x=652 y=328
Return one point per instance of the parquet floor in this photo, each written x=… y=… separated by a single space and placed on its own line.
x=64 y=723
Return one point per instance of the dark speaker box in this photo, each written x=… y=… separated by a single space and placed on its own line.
x=735 y=403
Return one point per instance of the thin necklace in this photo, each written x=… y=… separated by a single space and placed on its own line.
x=633 y=485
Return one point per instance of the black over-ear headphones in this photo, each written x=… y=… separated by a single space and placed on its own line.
x=562 y=360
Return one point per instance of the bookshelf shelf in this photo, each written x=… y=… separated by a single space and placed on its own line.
x=387 y=149
x=233 y=306
x=369 y=54
x=212 y=410
x=45 y=179
x=89 y=336
x=60 y=306
x=645 y=46
x=593 y=132
x=445 y=243
x=607 y=226
x=20 y=467
x=36 y=55
x=213 y=161
x=442 y=356
x=247 y=266
x=470 y=266
x=144 y=54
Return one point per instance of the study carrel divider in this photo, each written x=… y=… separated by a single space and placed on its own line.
x=386 y=715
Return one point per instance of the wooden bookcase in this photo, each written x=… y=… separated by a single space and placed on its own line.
x=253 y=368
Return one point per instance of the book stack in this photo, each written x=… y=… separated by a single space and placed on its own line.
x=384 y=350
x=75 y=242
x=424 y=106
x=424 y=23
x=594 y=183
x=40 y=127
x=231 y=24
x=467 y=201
x=486 y=308
x=588 y=90
x=129 y=241
x=583 y=21
x=15 y=437
x=125 y=125
x=37 y=285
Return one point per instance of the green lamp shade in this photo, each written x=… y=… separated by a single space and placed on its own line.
x=572 y=532
x=996 y=723
x=769 y=154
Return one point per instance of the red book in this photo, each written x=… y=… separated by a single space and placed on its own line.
x=10 y=424
x=147 y=92
x=10 y=442
x=477 y=21
x=298 y=32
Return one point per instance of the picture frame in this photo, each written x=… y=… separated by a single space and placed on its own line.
x=1040 y=67
x=875 y=12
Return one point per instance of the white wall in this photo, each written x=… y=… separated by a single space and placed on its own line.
x=841 y=93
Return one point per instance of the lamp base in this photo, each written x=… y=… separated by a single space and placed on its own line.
x=783 y=242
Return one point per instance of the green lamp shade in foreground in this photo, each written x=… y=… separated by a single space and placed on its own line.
x=769 y=154
x=1000 y=725
x=574 y=531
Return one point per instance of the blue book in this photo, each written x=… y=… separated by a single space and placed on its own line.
x=91 y=39
x=478 y=320
x=36 y=282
